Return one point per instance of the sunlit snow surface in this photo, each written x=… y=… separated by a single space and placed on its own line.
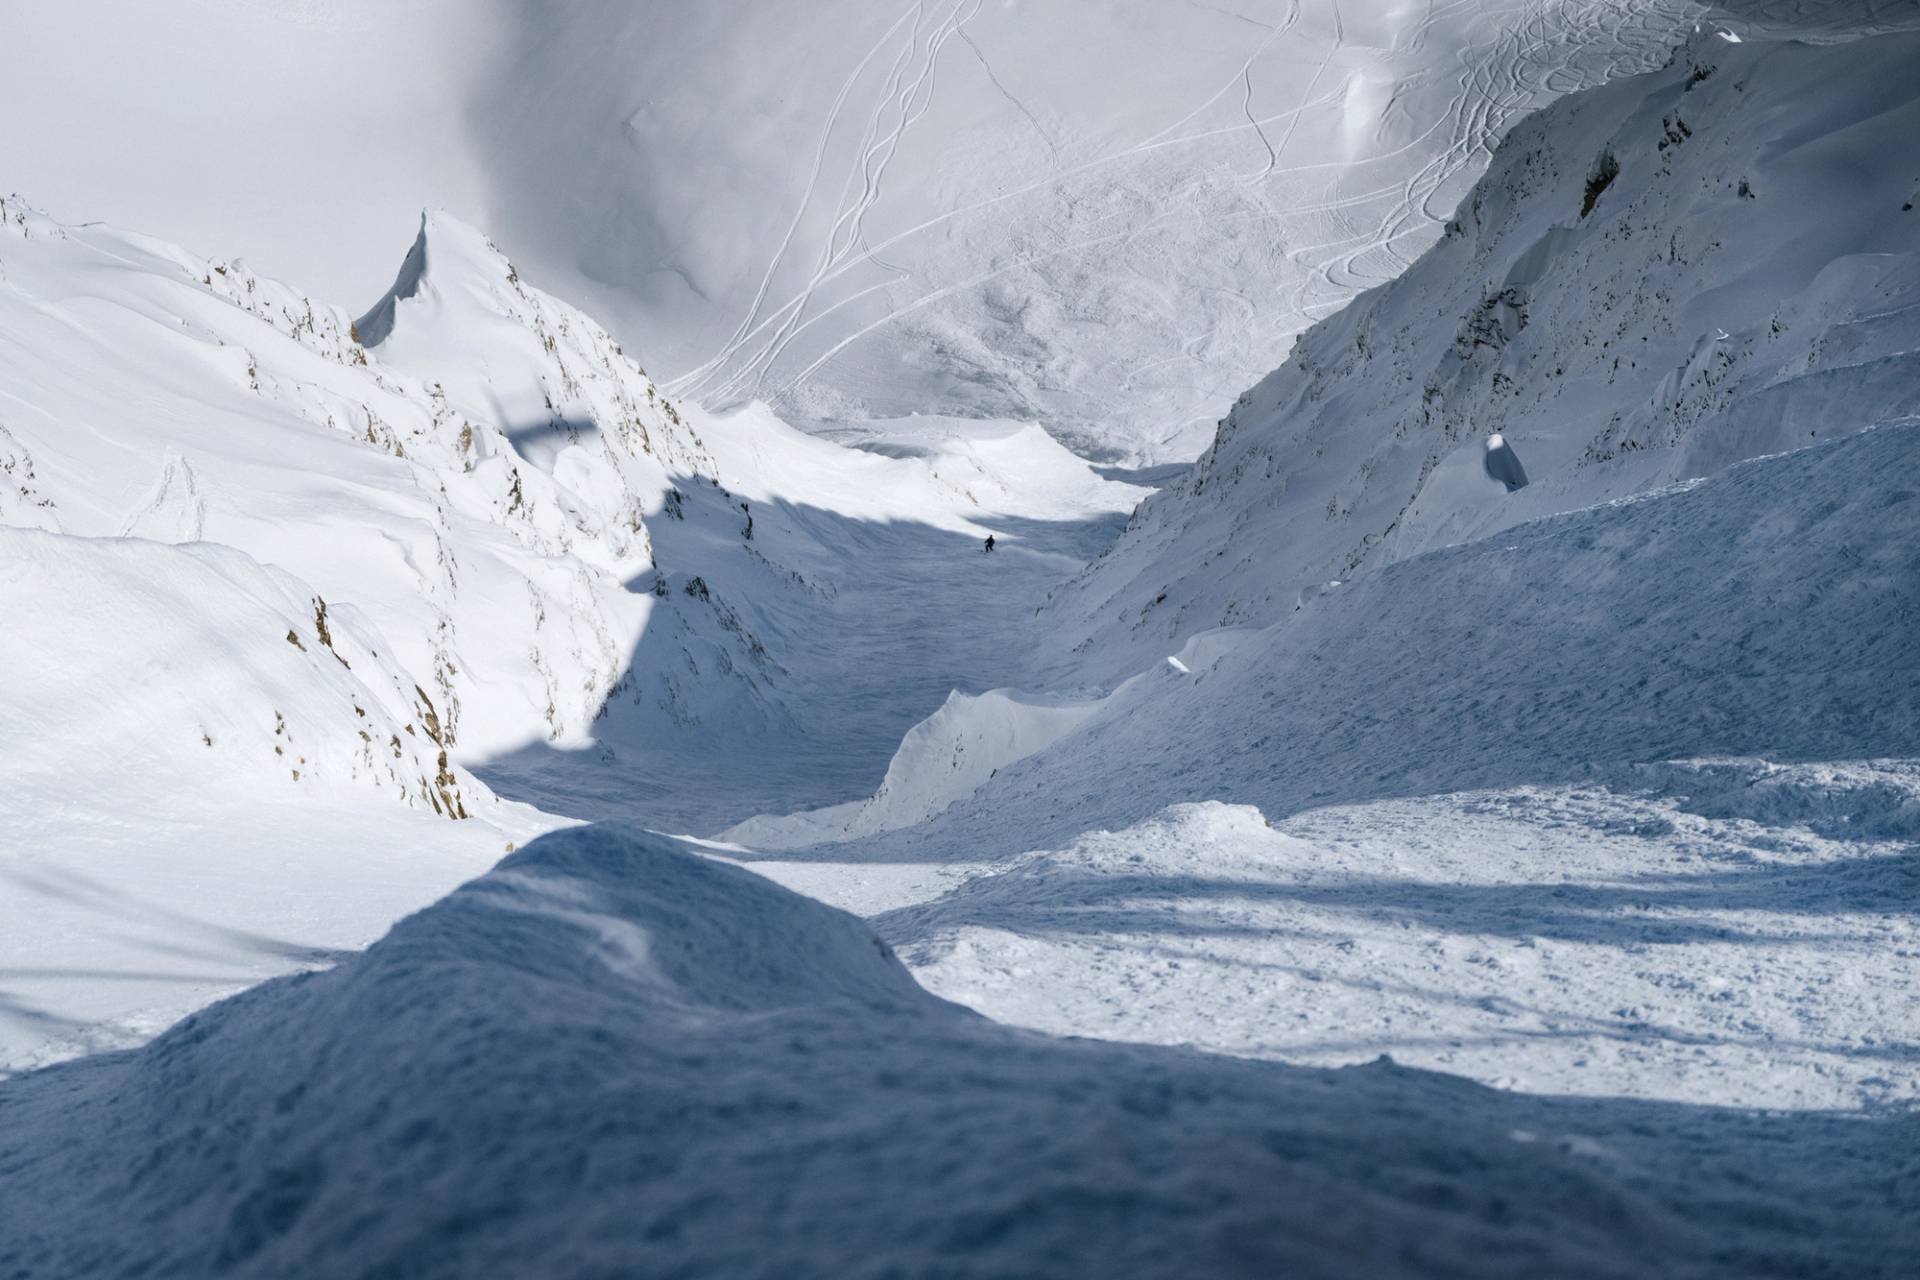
x=1109 y=214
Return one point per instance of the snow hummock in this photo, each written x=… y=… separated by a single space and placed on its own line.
x=942 y=759
x=609 y=1054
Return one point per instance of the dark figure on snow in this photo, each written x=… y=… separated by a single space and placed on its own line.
x=989 y=544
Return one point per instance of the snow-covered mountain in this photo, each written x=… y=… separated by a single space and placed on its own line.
x=1523 y=686
x=1654 y=279
x=289 y=557
x=1107 y=215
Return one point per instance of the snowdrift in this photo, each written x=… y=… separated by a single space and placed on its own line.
x=609 y=1055
x=943 y=758
x=1654 y=279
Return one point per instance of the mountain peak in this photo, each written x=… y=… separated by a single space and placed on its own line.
x=447 y=257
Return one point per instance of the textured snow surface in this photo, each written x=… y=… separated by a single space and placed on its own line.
x=610 y=1056
x=1511 y=885
x=1552 y=940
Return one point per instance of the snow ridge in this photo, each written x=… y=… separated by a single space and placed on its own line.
x=1715 y=302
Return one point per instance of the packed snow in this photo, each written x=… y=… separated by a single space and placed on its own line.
x=858 y=803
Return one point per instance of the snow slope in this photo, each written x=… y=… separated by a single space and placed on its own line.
x=1497 y=851
x=611 y=1056
x=1745 y=281
x=1762 y=612
x=1104 y=214
x=266 y=555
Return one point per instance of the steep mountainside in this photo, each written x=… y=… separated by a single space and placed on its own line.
x=269 y=558
x=1108 y=215
x=1653 y=280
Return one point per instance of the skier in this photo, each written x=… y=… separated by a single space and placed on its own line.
x=989 y=544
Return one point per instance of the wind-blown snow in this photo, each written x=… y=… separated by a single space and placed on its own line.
x=612 y=1056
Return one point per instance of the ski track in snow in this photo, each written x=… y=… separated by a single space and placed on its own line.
x=1504 y=68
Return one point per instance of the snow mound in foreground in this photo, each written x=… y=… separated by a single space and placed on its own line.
x=636 y=1058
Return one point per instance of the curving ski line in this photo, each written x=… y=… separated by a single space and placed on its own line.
x=852 y=218
x=898 y=96
x=869 y=141
x=806 y=198
x=679 y=385
x=1273 y=33
x=1273 y=157
x=864 y=151
x=1326 y=60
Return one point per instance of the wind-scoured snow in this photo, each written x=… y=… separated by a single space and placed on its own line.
x=610 y=1055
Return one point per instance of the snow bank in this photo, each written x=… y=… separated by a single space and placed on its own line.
x=942 y=759
x=609 y=1055
x=195 y=664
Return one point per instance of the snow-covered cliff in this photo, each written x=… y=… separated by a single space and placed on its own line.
x=1654 y=279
